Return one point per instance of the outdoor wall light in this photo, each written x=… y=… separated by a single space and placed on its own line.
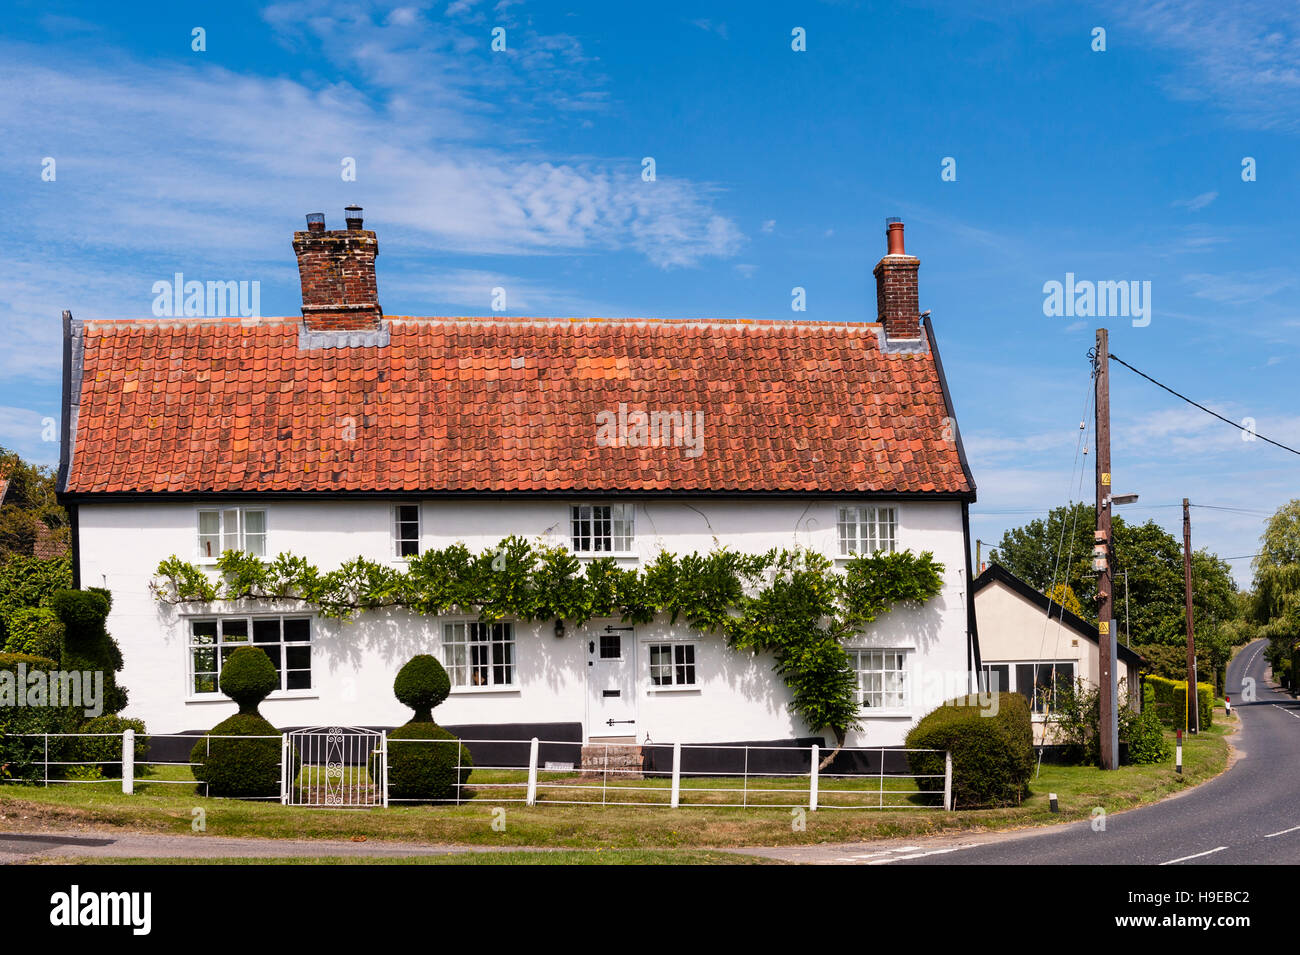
x=559 y=629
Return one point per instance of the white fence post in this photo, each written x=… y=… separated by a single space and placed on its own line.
x=383 y=767
x=284 y=767
x=676 y=799
x=128 y=762
x=530 y=799
x=947 y=780
x=812 y=778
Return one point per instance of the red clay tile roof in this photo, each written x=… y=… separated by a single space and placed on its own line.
x=453 y=405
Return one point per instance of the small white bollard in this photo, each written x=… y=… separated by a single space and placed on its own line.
x=531 y=798
x=1227 y=704
x=812 y=778
x=128 y=762
x=676 y=799
x=1178 y=754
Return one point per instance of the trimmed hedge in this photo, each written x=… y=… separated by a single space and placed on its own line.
x=1169 y=699
x=992 y=751
x=242 y=767
x=233 y=766
x=425 y=770
x=422 y=684
x=1146 y=739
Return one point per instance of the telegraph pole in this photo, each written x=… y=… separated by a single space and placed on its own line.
x=1103 y=560
x=1193 y=700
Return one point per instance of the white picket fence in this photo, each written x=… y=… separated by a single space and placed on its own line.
x=344 y=781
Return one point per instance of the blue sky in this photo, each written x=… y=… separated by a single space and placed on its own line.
x=774 y=169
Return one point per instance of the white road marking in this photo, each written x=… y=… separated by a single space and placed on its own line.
x=1283 y=832
x=1208 y=852
x=918 y=855
x=1286 y=711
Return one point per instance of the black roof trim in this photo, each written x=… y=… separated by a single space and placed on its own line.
x=947 y=404
x=1000 y=574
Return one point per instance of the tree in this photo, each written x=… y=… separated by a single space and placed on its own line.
x=1152 y=557
x=29 y=502
x=1275 y=604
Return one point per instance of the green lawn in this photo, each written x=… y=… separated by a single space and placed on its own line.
x=560 y=857
x=158 y=807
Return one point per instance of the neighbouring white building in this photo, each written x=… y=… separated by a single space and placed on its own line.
x=1031 y=645
x=346 y=433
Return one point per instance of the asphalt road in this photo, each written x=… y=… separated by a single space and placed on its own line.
x=1248 y=815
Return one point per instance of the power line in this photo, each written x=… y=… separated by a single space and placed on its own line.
x=1196 y=404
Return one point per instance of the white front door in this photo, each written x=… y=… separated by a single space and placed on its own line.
x=611 y=679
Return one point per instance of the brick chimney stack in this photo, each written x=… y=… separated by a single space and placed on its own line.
x=897 y=304
x=337 y=269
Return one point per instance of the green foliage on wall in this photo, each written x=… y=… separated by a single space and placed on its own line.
x=793 y=604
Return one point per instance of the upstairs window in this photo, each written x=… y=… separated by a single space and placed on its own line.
x=602 y=528
x=231 y=528
x=406 y=530
x=867 y=529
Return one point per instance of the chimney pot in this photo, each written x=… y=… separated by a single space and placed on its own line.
x=352 y=215
x=315 y=222
x=894 y=233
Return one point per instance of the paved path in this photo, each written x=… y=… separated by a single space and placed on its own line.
x=28 y=847
x=1248 y=815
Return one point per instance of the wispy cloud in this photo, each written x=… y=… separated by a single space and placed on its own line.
x=1196 y=203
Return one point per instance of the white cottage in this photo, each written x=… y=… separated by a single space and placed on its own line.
x=346 y=432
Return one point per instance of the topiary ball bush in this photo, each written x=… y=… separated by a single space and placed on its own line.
x=992 y=750
x=238 y=767
x=422 y=684
x=106 y=751
x=425 y=771
x=247 y=677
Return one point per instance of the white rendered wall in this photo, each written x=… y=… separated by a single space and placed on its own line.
x=738 y=697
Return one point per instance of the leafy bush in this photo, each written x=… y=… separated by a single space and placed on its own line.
x=236 y=766
x=1170 y=702
x=425 y=770
x=23 y=757
x=242 y=767
x=1146 y=739
x=34 y=630
x=106 y=751
x=992 y=751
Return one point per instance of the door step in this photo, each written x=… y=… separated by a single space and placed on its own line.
x=616 y=760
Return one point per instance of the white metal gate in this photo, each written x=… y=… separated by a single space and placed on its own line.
x=335 y=766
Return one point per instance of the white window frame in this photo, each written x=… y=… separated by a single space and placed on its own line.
x=249 y=621
x=394 y=529
x=1013 y=681
x=859 y=657
x=603 y=545
x=462 y=667
x=687 y=647
x=226 y=535
x=874 y=528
